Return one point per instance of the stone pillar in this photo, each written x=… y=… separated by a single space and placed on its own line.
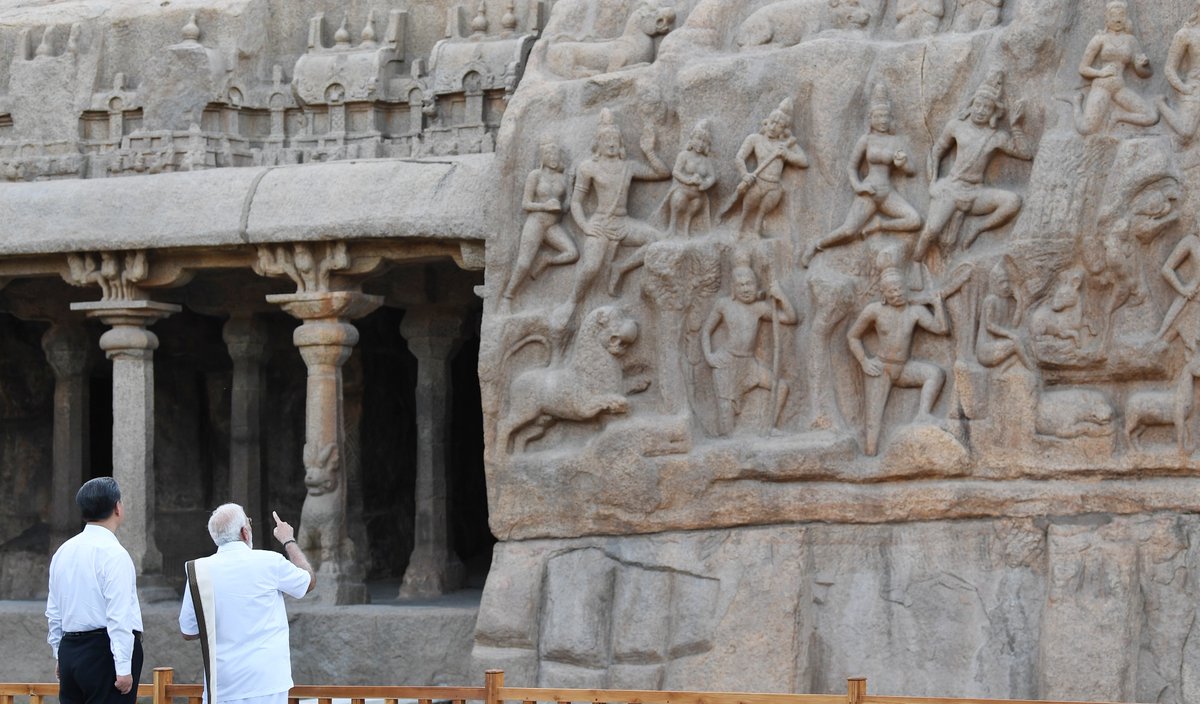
x=433 y=336
x=66 y=347
x=131 y=347
x=246 y=341
x=325 y=340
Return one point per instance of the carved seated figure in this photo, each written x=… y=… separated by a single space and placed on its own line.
x=694 y=174
x=999 y=342
x=576 y=58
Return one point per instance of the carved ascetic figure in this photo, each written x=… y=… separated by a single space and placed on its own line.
x=736 y=369
x=588 y=384
x=1164 y=407
x=895 y=320
x=918 y=18
x=882 y=153
x=609 y=173
x=999 y=340
x=1060 y=320
x=694 y=174
x=973 y=15
x=576 y=58
x=1116 y=49
x=1183 y=74
x=977 y=136
x=544 y=199
x=1182 y=318
x=773 y=149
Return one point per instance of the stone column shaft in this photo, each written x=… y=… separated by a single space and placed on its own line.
x=433 y=338
x=66 y=348
x=246 y=342
x=131 y=347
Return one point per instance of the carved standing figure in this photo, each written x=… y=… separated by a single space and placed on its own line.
x=977 y=136
x=999 y=339
x=773 y=149
x=736 y=369
x=1116 y=49
x=694 y=175
x=1184 y=58
x=609 y=173
x=918 y=18
x=973 y=15
x=1175 y=322
x=895 y=320
x=544 y=200
x=882 y=153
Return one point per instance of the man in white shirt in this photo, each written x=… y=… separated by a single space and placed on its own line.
x=241 y=620
x=94 y=618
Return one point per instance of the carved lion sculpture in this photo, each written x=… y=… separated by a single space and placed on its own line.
x=574 y=58
x=789 y=22
x=587 y=384
x=321 y=516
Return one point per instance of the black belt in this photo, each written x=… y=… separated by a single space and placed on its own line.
x=137 y=635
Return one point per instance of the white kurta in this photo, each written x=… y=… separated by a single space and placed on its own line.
x=252 y=654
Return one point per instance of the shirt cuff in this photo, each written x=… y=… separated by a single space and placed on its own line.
x=123 y=667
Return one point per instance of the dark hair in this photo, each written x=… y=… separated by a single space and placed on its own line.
x=97 y=498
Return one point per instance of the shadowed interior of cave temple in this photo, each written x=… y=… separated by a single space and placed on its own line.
x=193 y=382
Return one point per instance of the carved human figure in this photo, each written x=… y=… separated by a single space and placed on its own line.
x=977 y=136
x=999 y=340
x=895 y=320
x=882 y=153
x=1062 y=317
x=773 y=149
x=1116 y=49
x=973 y=15
x=736 y=369
x=544 y=198
x=918 y=18
x=1182 y=318
x=694 y=174
x=1183 y=74
x=609 y=173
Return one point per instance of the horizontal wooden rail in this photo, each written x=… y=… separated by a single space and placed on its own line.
x=163 y=690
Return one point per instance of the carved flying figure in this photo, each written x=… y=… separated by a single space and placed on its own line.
x=736 y=368
x=576 y=58
x=546 y=190
x=589 y=383
x=973 y=15
x=916 y=19
x=1183 y=74
x=977 y=137
x=773 y=149
x=877 y=205
x=610 y=173
x=895 y=321
x=694 y=174
x=1117 y=50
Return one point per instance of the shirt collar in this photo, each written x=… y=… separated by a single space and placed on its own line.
x=232 y=546
x=98 y=531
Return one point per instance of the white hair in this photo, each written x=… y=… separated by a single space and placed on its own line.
x=226 y=523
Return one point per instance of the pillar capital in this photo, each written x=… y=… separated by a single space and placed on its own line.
x=245 y=338
x=326 y=305
x=434 y=332
x=66 y=346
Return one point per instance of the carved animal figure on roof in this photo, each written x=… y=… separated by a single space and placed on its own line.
x=789 y=22
x=577 y=58
x=586 y=385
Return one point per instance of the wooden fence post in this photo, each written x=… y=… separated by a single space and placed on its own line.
x=163 y=676
x=856 y=690
x=493 y=680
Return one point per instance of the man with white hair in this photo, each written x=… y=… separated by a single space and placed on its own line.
x=234 y=606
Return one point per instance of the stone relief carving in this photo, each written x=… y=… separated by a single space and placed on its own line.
x=116 y=273
x=773 y=149
x=695 y=174
x=580 y=57
x=789 y=22
x=1182 y=71
x=309 y=266
x=322 y=514
x=974 y=15
x=1109 y=98
x=916 y=19
x=546 y=191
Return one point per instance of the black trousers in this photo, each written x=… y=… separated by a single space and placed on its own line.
x=86 y=672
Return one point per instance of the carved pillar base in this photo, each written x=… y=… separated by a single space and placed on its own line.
x=131 y=347
x=325 y=340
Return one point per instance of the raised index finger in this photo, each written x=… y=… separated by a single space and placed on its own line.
x=275 y=515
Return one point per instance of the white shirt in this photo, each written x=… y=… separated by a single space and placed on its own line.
x=93 y=585
x=252 y=653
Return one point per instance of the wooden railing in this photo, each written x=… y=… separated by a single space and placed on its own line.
x=163 y=690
